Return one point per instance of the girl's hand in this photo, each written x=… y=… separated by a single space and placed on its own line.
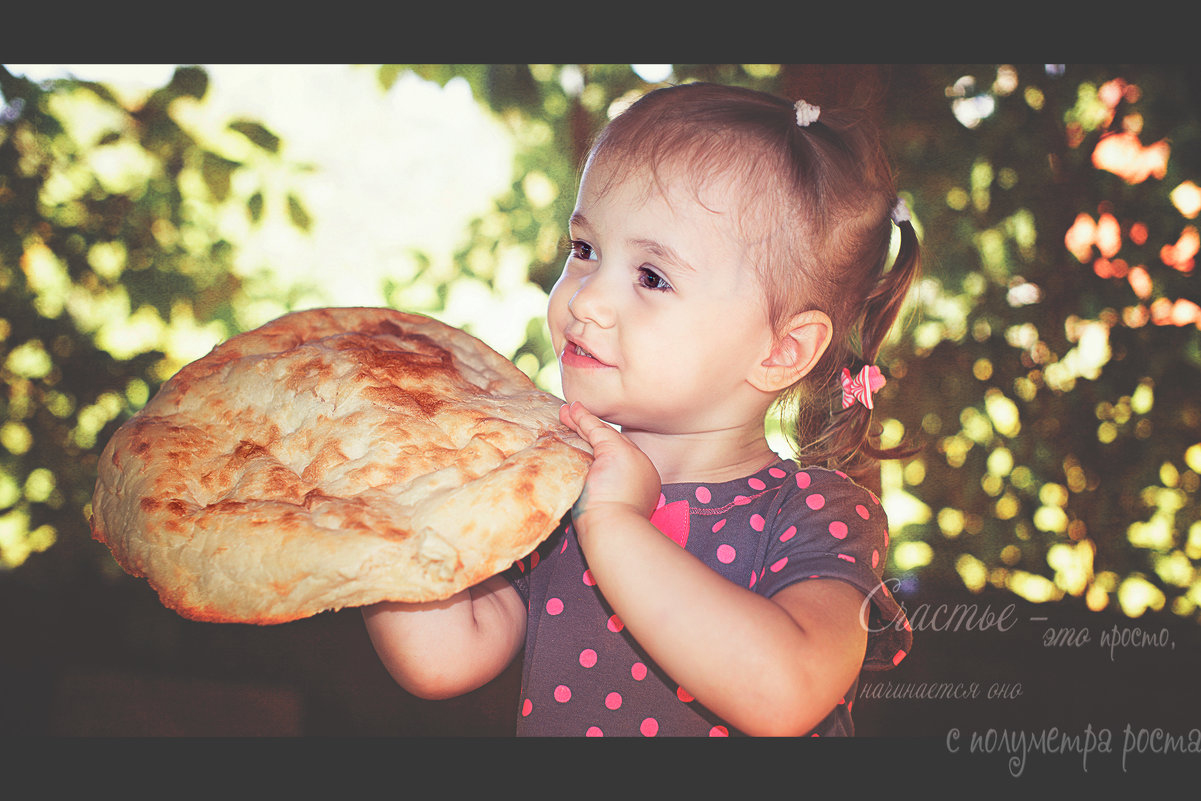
x=622 y=477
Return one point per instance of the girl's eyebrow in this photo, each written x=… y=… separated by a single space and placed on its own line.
x=660 y=250
x=664 y=252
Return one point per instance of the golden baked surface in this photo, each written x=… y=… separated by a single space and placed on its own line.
x=334 y=458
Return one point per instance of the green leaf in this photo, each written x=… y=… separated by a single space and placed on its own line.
x=388 y=74
x=189 y=81
x=217 y=173
x=298 y=214
x=254 y=207
x=258 y=134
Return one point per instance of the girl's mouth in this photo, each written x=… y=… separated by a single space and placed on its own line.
x=576 y=356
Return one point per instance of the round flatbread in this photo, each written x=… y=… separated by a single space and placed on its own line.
x=334 y=458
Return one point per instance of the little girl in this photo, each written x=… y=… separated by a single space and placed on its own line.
x=728 y=252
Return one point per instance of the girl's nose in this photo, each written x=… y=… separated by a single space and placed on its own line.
x=589 y=303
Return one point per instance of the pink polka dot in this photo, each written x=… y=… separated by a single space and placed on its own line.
x=776 y=472
x=594 y=731
x=649 y=727
x=563 y=547
x=802 y=480
x=526 y=708
x=587 y=657
x=752 y=584
x=846 y=556
x=719 y=525
x=615 y=624
x=841 y=474
x=838 y=529
x=757 y=522
x=662 y=501
x=788 y=534
x=725 y=554
x=862 y=510
x=741 y=500
x=778 y=566
x=638 y=671
x=684 y=695
x=815 y=501
x=554 y=606
x=756 y=484
x=703 y=495
x=562 y=693
x=719 y=731
x=875 y=558
x=613 y=700
x=588 y=579
x=897 y=657
x=534 y=560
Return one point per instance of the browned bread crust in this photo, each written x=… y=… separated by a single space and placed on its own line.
x=334 y=458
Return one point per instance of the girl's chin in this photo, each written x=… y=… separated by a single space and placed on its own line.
x=592 y=405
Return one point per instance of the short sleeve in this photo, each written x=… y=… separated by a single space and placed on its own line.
x=518 y=576
x=830 y=527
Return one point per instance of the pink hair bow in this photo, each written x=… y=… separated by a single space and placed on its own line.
x=861 y=387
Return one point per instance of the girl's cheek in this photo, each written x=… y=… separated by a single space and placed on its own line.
x=554 y=312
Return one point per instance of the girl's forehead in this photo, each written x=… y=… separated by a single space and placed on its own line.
x=745 y=209
x=668 y=182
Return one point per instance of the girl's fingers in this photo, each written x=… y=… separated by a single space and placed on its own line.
x=621 y=475
x=565 y=417
x=583 y=422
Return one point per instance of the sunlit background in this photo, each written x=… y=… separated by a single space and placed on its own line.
x=423 y=161
x=1049 y=359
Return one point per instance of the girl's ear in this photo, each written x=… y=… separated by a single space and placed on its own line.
x=805 y=338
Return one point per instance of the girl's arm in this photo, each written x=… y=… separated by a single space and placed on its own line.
x=446 y=648
x=768 y=666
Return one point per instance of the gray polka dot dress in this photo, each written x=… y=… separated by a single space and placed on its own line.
x=584 y=675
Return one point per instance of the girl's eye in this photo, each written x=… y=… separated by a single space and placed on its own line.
x=650 y=279
x=581 y=250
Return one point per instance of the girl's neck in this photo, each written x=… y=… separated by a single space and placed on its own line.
x=711 y=456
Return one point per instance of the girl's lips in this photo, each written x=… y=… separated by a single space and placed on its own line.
x=575 y=356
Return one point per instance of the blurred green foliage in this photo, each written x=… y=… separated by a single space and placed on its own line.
x=113 y=276
x=1050 y=360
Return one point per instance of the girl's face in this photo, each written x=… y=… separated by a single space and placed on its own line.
x=658 y=318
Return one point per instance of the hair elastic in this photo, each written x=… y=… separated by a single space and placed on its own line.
x=806 y=113
x=900 y=212
x=861 y=387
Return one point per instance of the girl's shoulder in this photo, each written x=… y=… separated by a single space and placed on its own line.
x=781 y=482
x=807 y=476
x=789 y=476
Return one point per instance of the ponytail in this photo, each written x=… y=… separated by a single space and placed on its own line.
x=827 y=433
x=885 y=301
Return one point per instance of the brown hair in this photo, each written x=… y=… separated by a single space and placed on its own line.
x=828 y=192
